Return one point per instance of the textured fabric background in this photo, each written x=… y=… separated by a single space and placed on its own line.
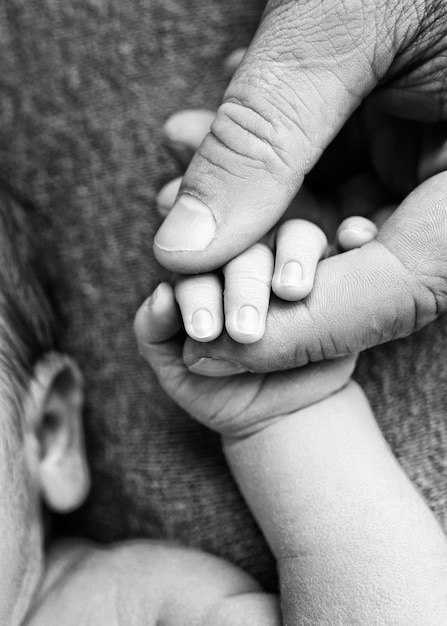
x=85 y=86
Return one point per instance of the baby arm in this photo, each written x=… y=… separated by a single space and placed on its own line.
x=354 y=541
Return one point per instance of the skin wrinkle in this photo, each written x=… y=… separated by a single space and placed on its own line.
x=376 y=332
x=221 y=140
x=304 y=59
x=247 y=428
x=431 y=57
x=299 y=127
x=256 y=128
x=332 y=33
x=411 y=268
x=385 y=38
x=287 y=106
x=415 y=56
x=428 y=19
x=236 y=428
x=216 y=416
x=251 y=273
x=214 y=159
x=284 y=104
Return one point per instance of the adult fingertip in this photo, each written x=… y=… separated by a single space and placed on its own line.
x=233 y=61
x=190 y=226
x=184 y=132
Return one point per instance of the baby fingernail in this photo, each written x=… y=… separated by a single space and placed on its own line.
x=189 y=226
x=207 y=366
x=291 y=274
x=354 y=237
x=151 y=303
x=247 y=320
x=202 y=323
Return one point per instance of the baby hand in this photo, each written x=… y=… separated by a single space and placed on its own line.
x=234 y=406
x=240 y=405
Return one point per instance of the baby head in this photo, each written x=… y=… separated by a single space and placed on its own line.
x=42 y=456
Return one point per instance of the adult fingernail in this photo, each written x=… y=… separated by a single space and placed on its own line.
x=189 y=226
x=291 y=274
x=207 y=366
x=247 y=320
x=202 y=323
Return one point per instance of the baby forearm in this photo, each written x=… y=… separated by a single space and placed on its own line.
x=354 y=541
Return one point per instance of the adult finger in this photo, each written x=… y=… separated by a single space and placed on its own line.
x=308 y=68
x=385 y=290
x=233 y=61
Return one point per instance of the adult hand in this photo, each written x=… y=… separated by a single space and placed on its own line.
x=387 y=289
x=310 y=65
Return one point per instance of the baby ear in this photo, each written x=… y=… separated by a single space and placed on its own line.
x=54 y=422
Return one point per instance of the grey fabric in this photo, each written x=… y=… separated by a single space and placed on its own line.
x=85 y=87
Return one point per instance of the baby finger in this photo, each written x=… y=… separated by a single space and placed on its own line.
x=248 y=280
x=299 y=247
x=200 y=301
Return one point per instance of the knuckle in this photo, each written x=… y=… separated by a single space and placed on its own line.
x=256 y=262
x=261 y=254
x=302 y=233
x=249 y=283
x=430 y=300
x=189 y=288
x=244 y=128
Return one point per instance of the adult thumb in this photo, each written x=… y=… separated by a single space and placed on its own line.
x=386 y=290
x=310 y=65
